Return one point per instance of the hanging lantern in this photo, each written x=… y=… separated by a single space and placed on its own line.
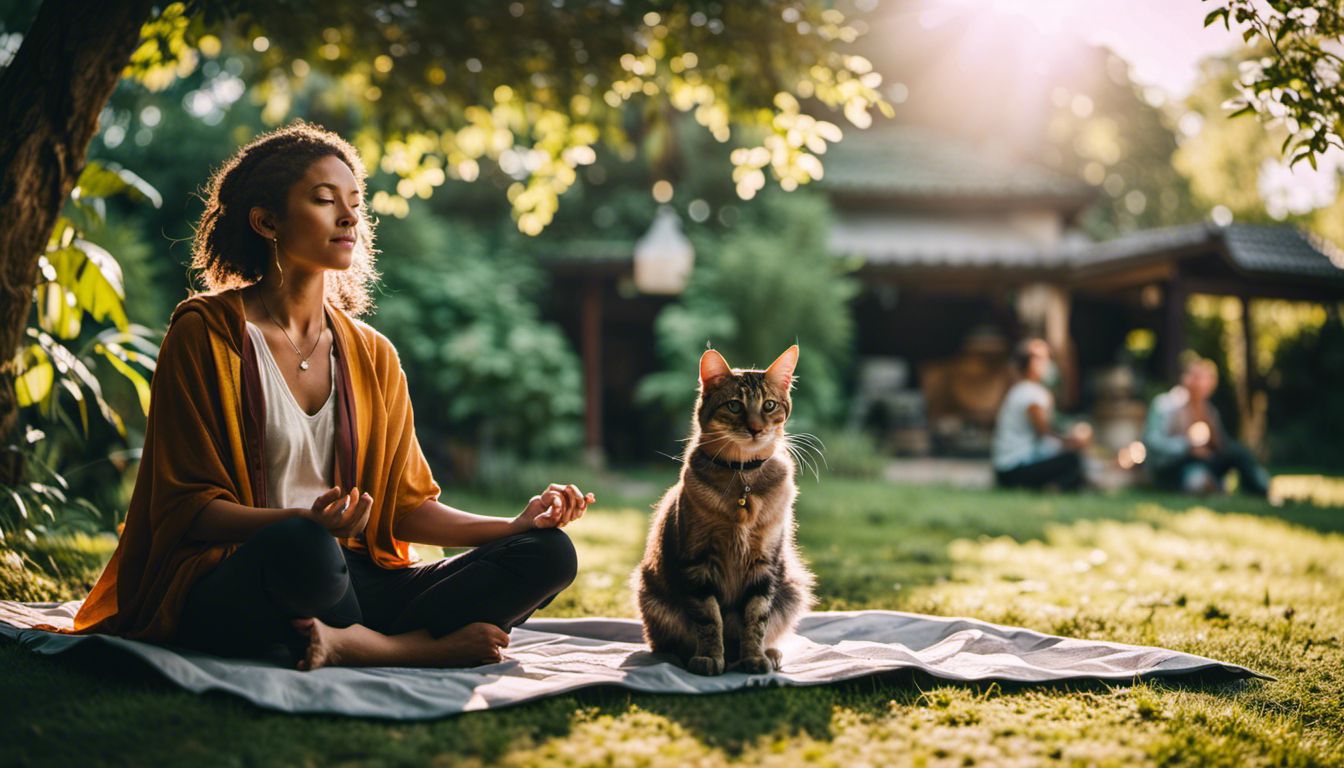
x=663 y=256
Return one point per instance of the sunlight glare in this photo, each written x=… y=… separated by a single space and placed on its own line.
x=1050 y=17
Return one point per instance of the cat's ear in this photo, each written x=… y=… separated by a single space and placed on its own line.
x=780 y=372
x=712 y=368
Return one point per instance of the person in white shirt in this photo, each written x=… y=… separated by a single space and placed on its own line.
x=1188 y=448
x=1026 y=451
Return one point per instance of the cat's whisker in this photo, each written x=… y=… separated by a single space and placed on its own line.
x=802 y=435
x=806 y=462
x=800 y=453
x=806 y=465
x=811 y=442
x=798 y=458
x=809 y=436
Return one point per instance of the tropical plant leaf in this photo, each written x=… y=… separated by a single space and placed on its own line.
x=43 y=491
x=68 y=364
x=18 y=502
x=87 y=279
x=116 y=355
x=99 y=181
x=100 y=290
x=140 y=344
x=36 y=375
x=78 y=395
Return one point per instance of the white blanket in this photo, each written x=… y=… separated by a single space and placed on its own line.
x=551 y=656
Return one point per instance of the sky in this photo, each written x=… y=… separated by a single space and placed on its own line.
x=1163 y=39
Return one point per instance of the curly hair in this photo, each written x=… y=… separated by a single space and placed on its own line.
x=228 y=253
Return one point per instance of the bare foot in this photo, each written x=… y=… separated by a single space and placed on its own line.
x=324 y=646
x=477 y=643
x=359 y=646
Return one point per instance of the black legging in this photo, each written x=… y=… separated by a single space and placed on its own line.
x=295 y=568
x=1065 y=469
x=1217 y=465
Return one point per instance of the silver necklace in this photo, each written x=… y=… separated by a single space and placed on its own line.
x=303 y=359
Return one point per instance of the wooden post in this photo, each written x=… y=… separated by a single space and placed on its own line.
x=1174 y=343
x=1252 y=422
x=592 y=370
x=1043 y=310
x=1058 y=336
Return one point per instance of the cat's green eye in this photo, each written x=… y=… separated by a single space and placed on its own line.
x=735 y=406
x=768 y=406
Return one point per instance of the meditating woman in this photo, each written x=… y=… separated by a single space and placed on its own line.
x=1027 y=452
x=281 y=481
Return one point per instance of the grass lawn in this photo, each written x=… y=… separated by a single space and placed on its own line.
x=1229 y=578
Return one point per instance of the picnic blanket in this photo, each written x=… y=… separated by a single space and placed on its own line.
x=552 y=656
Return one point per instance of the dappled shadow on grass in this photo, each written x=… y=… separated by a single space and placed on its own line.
x=80 y=706
x=871 y=543
x=1229 y=578
x=737 y=720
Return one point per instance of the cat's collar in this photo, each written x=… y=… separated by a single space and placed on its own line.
x=737 y=465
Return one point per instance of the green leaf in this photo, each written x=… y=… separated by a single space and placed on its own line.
x=69 y=365
x=1215 y=15
x=44 y=491
x=140 y=344
x=1305 y=154
x=62 y=234
x=97 y=181
x=33 y=383
x=100 y=290
x=78 y=395
x=18 y=502
x=87 y=279
x=114 y=353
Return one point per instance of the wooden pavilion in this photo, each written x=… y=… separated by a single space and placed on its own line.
x=964 y=252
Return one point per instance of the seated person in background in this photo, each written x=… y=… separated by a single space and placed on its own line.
x=1188 y=449
x=1026 y=451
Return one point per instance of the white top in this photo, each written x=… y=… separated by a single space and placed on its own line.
x=1015 y=439
x=300 y=449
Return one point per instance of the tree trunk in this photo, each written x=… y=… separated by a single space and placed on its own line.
x=52 y=92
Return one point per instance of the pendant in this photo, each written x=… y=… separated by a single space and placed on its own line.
x=303 y=365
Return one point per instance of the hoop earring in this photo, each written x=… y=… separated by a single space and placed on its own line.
x=275 y=248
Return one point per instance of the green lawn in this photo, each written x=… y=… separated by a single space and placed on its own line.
x=1234 y=579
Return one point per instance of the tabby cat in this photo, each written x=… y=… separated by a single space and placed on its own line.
x=721 y=580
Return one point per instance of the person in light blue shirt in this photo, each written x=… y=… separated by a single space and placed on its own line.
x=1026 y=451
x=1187 y=447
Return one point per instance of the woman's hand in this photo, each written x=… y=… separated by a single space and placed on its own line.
x=345 y=515
x=556 y=507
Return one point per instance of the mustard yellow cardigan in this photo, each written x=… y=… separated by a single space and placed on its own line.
x=204 y=441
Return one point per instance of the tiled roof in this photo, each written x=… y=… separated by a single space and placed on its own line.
x=909 y=161
x=1261 y=248
x=1284 y=250
x=1281 y=250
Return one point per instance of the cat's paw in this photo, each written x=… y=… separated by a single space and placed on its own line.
x=776 y=658
x=706 y=665
x=757 y=665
